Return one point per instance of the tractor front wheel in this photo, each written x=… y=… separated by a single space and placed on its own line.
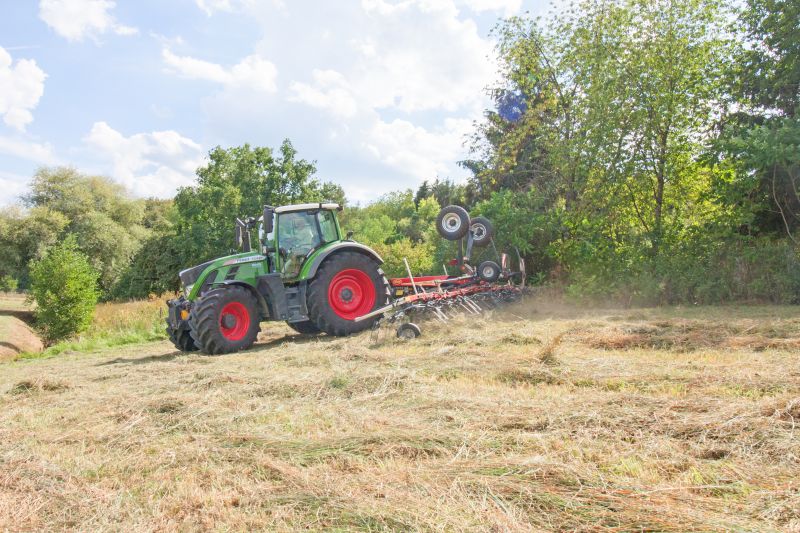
x=182 y=339
x=225 y=320
x=347 y=285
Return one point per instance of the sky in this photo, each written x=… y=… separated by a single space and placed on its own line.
x=381 y=94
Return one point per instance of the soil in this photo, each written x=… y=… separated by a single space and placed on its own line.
x=16 y=333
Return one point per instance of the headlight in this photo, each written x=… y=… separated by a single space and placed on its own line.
x=188 y=289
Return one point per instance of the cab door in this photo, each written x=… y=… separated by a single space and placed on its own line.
x=298 y=236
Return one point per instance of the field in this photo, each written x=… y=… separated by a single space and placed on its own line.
x=529 y=419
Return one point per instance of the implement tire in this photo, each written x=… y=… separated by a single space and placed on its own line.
x=452 y=223
x=306 y=327
x=482 y=231
x=225 y=320
x=347 y=285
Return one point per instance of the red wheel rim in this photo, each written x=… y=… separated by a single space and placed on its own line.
x=237 y=318
x=351 y=293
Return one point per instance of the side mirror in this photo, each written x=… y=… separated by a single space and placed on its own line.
x=349 y=236
x=268 y=216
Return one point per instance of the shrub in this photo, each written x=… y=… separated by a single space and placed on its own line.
x=8 y=284
x=64 y=287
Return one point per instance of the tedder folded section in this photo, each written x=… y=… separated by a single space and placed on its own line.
x=305 y=273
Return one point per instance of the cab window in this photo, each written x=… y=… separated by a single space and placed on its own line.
x=327 y=225
x=297 y=236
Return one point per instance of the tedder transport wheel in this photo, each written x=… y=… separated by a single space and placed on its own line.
x=489 y=271
x=482 y=231
x=346 y=286
x=225 y=320
x=408 y=331
x=182 y=339
x=306 y=327
x=452 y=223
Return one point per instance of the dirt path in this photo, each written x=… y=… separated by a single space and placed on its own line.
x=16 y=334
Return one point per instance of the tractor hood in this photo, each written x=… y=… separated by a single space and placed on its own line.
x=190 y=276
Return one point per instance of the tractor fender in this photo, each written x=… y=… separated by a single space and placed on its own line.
x=344 y=246
x=262 y=303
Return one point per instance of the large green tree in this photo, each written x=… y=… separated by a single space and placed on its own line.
x=604 y=114
x=107 y=224
x=761 y=132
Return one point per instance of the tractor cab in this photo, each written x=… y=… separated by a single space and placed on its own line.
x=293 y=233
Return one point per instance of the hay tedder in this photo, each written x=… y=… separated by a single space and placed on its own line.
x=306 y=274
x=473 y=290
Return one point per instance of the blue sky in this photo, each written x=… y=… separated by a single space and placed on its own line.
x=379 y=92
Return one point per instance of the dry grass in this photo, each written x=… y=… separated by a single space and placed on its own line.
x=528 y=421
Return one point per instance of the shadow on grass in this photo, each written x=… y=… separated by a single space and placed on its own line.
x=163 y=358
x=25 y=316
x=10 y=346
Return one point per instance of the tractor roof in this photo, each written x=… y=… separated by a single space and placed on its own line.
x=305 y=207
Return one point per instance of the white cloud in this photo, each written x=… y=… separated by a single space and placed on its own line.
x=252 y=72
x=508 y=7
x=409 y=86
x=77 y=19
x=39 y=153
x=12 y=186
x=21 y=87
x=421 y=55
x=209 y=7
x=379 y=92
x=416 y=151
x=330 y=92
x=149 y=164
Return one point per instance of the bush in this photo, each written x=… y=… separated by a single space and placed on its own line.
x=8 y=284
x=64 y=287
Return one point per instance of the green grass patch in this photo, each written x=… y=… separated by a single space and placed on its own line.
x=114 y=324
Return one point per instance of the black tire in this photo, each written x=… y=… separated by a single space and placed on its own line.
x=182 y=339
x=452 y=222
x=306 y=327
x=489 y=271
x=206 y=320
x=482 y=231
x=408 y=331
x=322 y=312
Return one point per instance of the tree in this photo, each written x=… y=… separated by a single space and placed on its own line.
x=108 y=225
x=761 y=132
x=64 y=287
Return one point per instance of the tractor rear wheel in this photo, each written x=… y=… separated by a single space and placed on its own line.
x=347 y=285
x=306 y=327
x=225 y=320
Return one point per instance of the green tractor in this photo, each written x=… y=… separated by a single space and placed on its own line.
x=304 y=273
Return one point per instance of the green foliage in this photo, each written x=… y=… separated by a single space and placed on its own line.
x=595 y=162
x=8 y=284
x=761 y=132
x=152 y=270
x=397 y=227
x=108 y=226
x=64 y=287
x=522 y=221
